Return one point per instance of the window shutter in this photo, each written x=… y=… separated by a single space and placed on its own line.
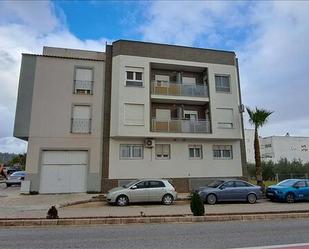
x=81 y=112
x=83 y=74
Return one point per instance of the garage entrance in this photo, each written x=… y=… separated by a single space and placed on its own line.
x=63 y=172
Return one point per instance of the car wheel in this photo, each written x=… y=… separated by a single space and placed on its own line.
x=8 y=185
x=122 y=200
x=290 y=198
x=211 y=199
x=167 y=199
x=251 y=198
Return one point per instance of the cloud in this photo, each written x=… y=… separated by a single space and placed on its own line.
x=271 y=40
x=26 y=28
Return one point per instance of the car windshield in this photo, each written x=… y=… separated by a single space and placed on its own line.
x=130 y=184
x=17 y=174
x=286 y=183
x=215 y=184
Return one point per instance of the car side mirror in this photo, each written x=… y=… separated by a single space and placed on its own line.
x=134 y=187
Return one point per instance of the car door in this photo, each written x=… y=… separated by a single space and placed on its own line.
x=226 y=191
x=241 y=191
x=300 y=190
x=156 y=190
x=139 y=192
x=307 y=191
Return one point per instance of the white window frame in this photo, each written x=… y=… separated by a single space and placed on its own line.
x=134 y=80
x=218 y=90
x=89 y=119
x=195 y=147
x=163 y=156
x=129 y=122
x=131 y=149
x=79 y=90
x=221 y=149
x=226 y=125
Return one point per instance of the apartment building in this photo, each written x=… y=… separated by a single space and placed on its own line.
x=176 y=113
x=97 y=120
x=59 y=113
x=292 y=148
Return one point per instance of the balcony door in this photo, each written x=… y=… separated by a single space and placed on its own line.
x=190 y=115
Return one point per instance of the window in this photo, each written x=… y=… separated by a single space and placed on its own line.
x=156 y=184
x=225 y=117
x=229 y=184
x=141 y=185
x=267 y=145
x=163 y=151
x=195 y=152
x=240 y=184
x=81 y=121
x=223 y=83
x=133 y=114
x=83 y=83
x=300 y=184
x=222 y=152
x=134 y=77
x=131 y=151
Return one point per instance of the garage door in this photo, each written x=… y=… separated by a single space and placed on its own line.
x=63 y=172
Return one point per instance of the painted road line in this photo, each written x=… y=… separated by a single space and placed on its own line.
x=287 y=246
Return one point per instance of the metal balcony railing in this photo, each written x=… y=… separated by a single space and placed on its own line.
x=175 y=89
x=79 y=125
x=83 y=86
x=181 y=126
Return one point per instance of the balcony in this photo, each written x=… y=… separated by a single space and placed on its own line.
x=83 y=86
x=181 y=126
x=176 y=89
x=79 y=125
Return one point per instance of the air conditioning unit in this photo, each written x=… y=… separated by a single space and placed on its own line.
x=149 y=143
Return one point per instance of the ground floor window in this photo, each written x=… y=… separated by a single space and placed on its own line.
x=195 y=152
x=222 y=152
x=131 y=151
x=163 y=151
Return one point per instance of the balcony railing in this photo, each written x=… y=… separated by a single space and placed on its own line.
x=80 y=125
x=181 y=126
x=83 y=86
x=175 y=89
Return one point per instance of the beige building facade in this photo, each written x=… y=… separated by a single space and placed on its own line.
x=96 y=120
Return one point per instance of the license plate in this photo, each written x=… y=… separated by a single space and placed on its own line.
x=270 y=194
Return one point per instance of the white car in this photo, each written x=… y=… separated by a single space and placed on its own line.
x=16 y=178
x=143 y=190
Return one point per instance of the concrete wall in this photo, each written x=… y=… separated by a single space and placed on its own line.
x=179 y=165
x=141 y=95
x=51 y=115
x=24 y=98
x=276 y=147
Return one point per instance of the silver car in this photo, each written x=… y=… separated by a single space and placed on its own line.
x=143 y=190
x=16 y=178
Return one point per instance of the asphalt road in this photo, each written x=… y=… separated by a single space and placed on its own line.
x=194 y=235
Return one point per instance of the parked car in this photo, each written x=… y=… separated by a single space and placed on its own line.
x=289 y=190
x=16 y=178
x=143 y=190
x=11 y=170
x=230 y=190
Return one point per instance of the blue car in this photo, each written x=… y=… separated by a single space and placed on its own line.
x=289 y=190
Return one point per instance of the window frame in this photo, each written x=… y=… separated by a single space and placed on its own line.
x=194 y=147
x=75 y=80
x=90 y=118
x=162 y=155
x=134 y=80
x=221 y=152
x=229 y=81
x=131 y=152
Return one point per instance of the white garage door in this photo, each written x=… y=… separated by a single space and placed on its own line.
x=63 y=172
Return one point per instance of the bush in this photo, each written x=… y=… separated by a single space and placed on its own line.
x=197 y=205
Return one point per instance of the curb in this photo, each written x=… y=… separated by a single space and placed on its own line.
x=148 y=220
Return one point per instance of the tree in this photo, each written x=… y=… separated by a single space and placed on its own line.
x=19 y=159
x=197 y=205
x=258 y=118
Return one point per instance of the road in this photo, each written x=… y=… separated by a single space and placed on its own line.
x=187 y=236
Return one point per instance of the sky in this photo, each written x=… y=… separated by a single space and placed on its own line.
x=270 y=39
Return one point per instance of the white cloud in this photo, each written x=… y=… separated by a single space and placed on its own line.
x=26 y=28
x=271 y=40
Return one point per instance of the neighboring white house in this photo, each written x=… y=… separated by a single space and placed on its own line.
x=276 y=147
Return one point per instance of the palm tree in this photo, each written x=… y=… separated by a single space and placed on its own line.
x=258 y=118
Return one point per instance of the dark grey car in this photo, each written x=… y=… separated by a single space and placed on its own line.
x=230 y=190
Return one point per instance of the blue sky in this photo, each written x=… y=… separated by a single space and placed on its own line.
x=270 y=39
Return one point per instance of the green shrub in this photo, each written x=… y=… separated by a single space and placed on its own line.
x=197 y=205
